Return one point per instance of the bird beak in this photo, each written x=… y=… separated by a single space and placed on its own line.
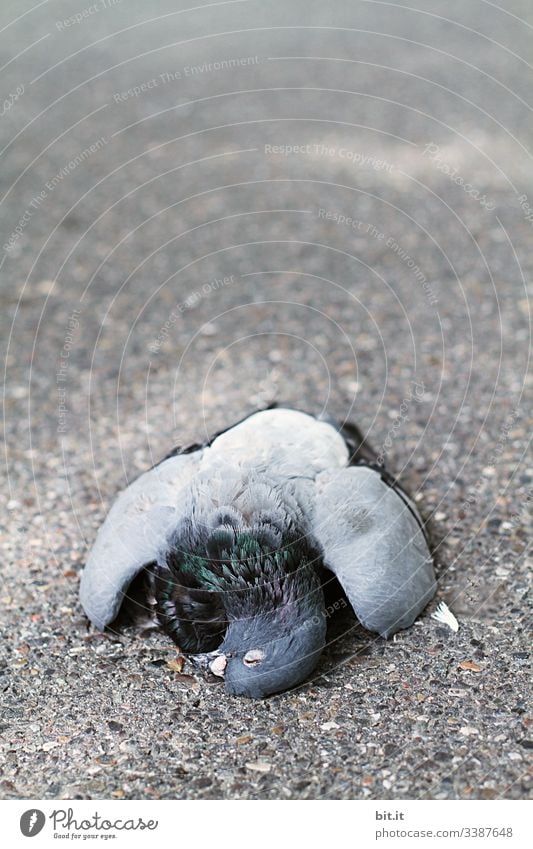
x=218 y=665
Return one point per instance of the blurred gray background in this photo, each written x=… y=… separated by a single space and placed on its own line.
x=204 y=210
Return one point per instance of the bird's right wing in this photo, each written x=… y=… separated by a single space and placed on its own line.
x=373 y=539
x=134 y=533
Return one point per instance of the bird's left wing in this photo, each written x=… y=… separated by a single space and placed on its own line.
x=134 y=533
x=372 y=538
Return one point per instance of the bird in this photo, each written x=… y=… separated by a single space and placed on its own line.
x=237 y=538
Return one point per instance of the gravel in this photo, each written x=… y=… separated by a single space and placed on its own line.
x=147 y=301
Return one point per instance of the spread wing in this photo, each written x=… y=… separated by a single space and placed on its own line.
x=135 y=531
x=372 y=538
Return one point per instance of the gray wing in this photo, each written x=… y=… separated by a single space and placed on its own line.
x=371 y=538
x=134 y=533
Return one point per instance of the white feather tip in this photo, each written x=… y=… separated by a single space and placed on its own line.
x=444 y=614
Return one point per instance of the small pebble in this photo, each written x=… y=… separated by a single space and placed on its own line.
x=259 y=766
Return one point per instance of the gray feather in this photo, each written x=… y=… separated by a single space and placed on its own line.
x=375 y=546
x=134 y=533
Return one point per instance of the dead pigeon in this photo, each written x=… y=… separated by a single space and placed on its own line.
x=237 y=537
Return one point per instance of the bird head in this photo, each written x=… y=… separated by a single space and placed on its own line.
x=274 y=664
x=273 y=650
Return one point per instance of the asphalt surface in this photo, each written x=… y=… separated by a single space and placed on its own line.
x=203 y=211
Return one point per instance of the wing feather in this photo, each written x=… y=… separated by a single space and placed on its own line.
x=134 y=533
x=373 y=539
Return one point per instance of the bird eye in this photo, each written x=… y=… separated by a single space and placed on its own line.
x=253 y=657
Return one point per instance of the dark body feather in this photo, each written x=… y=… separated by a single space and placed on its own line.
x=233 y=576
